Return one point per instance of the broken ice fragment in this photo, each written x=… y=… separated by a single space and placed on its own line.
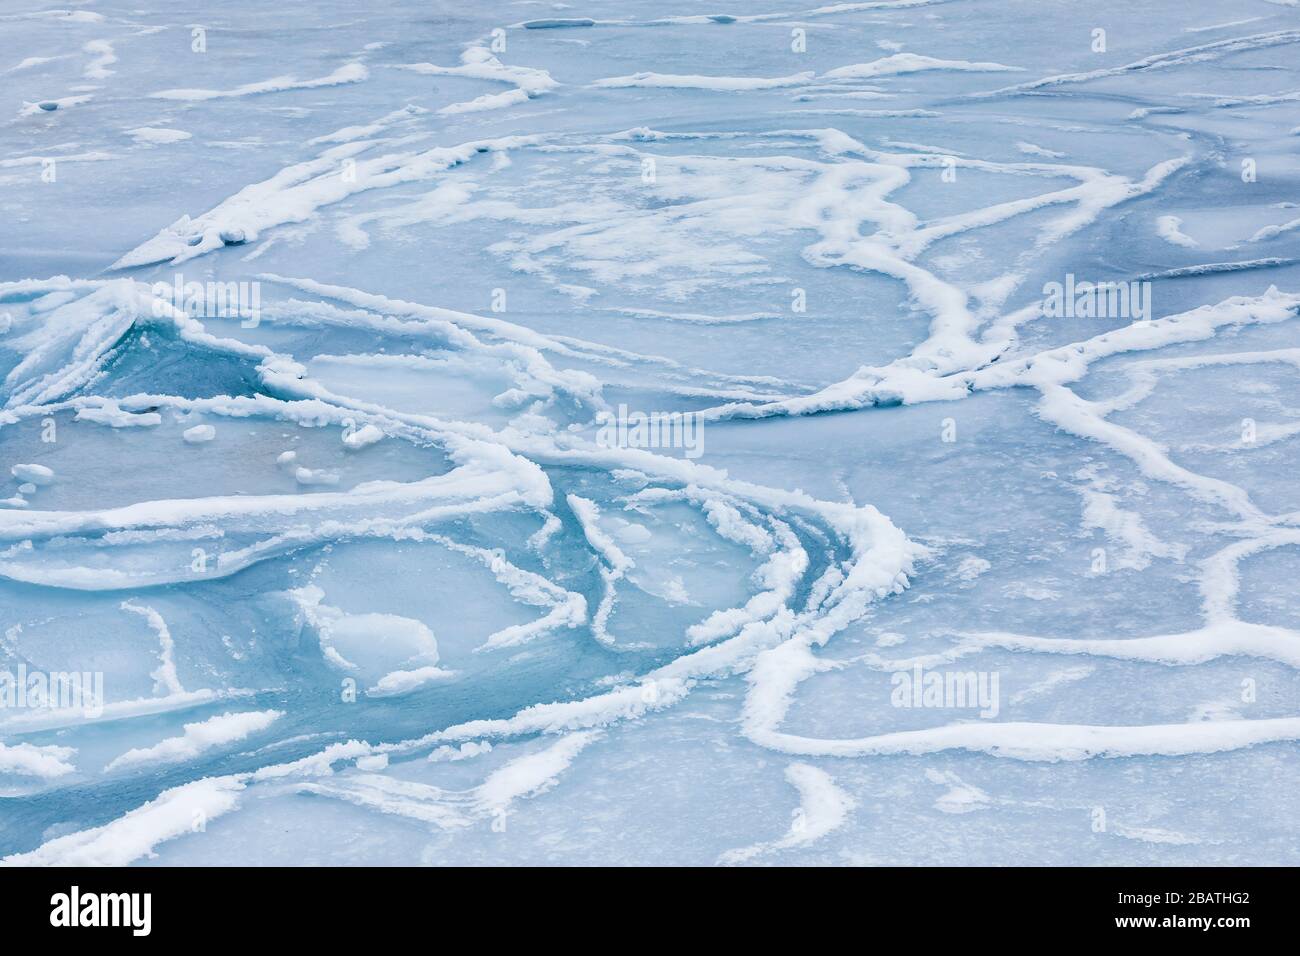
x=33 y=474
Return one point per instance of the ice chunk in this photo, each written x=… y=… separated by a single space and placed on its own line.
x=33 y=474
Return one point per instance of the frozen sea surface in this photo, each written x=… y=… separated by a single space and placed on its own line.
x=325 y=337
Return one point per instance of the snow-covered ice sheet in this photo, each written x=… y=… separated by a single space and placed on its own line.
x=620 y=432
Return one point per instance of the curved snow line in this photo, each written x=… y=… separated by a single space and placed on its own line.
x=1078 y=416
x=1211 y=268
x=526 y=776
x=901 y=63
x=1272 y=232
x=1194 y=54
x=823 y=808
x=780 y=575
x=295 y=193
x=174 y=812
x=717 y=83
x=1051 y=742
x=1222 y=639
x=165 y=675
x=616 y=563
x=467 y=484
x=348 y=73
x=28 y=760
x=199 y=737
x=477 y=62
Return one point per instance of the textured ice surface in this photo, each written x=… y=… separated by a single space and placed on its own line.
x=320 y=330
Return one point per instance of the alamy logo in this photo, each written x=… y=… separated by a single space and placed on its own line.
x=1096 y=300
x=103 y=909
x=683 y=430
x=946 y=689
x=217 y=300
x=57 y=690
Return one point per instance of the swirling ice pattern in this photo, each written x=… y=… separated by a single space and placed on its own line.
x=363 y=577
